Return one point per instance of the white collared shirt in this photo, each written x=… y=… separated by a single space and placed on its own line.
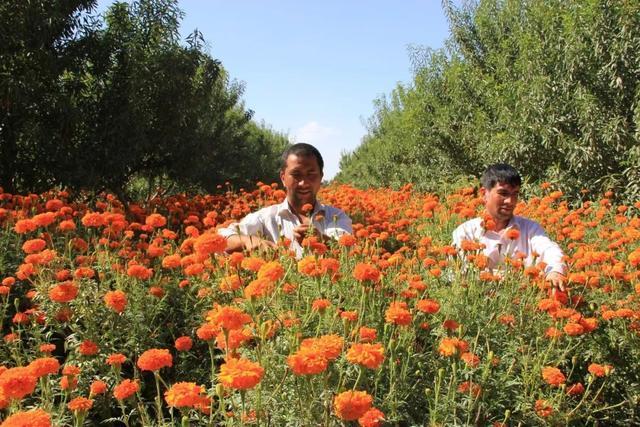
x=277 y=221
x=532 y=242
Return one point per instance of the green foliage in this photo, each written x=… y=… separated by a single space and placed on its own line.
x=122 y=98
x=551 y=87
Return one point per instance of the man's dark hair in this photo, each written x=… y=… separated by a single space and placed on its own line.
x=500 y=173
x=303 y=150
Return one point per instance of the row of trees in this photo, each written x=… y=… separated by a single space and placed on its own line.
x=94 y=102
x=549 y=86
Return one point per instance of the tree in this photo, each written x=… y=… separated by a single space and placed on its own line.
x=127 y=99
x=551 y=87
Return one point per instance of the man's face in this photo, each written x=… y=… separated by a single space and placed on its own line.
x=501 y=200
x=302 y=178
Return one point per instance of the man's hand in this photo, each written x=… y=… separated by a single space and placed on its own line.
x=556 y=279
x=238 y=243
x=304 y=230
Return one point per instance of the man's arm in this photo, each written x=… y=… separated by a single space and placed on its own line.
x=325 y=229
x=238 y=243
x=551 y=254
x=244 y=235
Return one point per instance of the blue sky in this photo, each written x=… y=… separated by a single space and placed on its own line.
x=312 y=69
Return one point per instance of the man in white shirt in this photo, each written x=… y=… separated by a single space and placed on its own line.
x=301 y=174
x=500 y=190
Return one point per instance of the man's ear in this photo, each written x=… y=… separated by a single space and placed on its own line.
x=484 y=193
x=282 y=177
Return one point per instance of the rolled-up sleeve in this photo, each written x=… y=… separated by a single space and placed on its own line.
x=250 y=225
x=335 y=224
x=548 y=251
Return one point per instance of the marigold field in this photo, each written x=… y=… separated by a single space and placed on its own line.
x=136 y=317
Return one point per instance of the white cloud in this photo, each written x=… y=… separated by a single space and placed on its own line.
x=315 y=134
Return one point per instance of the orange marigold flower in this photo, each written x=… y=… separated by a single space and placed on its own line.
x=32 y=418
x=307 y=361
x=309 y=266
x=94 y=219
x=183 y=343
x=139 y=271
x=155 y=359
x=452 y=346
x=84 y=273
x=47 y=348
x=507 y=319
x=367 y=334
x=347 y=240
x=116 y=359
x=33 y=246
x=97 y=387
x=156 y=291
x=126 y=389
x=25 y=271
x=185 y=395
x=428 y=306
x=252 y=263
x=575 y=389
x=63 y=292
x=366 y=272
x=374 y=417
x=17 y=383
x=171 y=261
x=155 y=220
x=450 y=324
x=241 y=374
x=368 y=355
x=24 y=226
x=44 y=219
x=272 y=271
x=228 y=317
x=80 y=404
x=470 y=359
x=70 y=370
x=513 y=233
x=543 y=409
x=552 y=332
x=599 y=370
x=573 y=329
x=88 y=348
x=320 y=304
x=398 y=314
x=351 y=405
x=67 y=225
x=330 y=346
x=469 y=387
x=589 y=323
x=207 y=331
x=44 y=366
x=259 y=288
x=350 y=316
x=230 y=283
x=68 y=382
x=234 y=339
x=210 y=243
x=553 y=376
x=116 y=300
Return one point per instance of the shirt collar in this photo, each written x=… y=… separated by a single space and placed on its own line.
x=283 y=208
x=511 y=224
